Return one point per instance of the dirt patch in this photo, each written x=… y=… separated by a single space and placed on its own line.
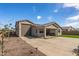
x=14 y=46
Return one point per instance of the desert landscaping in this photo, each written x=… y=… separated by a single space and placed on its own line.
x=31 y=46
x=14 y=46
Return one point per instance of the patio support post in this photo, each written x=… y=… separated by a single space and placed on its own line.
x=19 y=29
x=45 y=32
x=37 y=32
x=56 y=32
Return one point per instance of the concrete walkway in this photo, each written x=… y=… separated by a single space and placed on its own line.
x=58 y=46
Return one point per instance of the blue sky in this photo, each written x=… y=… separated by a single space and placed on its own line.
x=62 y=13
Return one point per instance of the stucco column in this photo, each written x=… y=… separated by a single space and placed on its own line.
x=44 y=32
x=37 y=32
x=56 y=32
x=60 y=32
x=19 y=29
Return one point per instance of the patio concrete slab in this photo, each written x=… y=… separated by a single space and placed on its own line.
x=57 y=46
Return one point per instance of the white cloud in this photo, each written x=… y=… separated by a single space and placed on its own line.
x=72 y=21
x=74 y=5
x=74 y=24
x=39 y=17
x=55 y=11
x=73 y=18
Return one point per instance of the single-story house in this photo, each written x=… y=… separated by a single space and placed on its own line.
x=28 y=28
x=68 y=28
x=77 y=29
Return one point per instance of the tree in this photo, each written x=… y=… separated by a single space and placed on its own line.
x=4 y=32
x=7 y=27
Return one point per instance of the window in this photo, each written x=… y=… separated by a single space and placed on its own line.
x=41 y=31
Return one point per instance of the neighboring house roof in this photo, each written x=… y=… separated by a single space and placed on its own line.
x=68 y=27
x=77 y=29
x=65 y=27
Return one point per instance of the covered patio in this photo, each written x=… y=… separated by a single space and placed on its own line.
x=44 y=31
x=50 y=32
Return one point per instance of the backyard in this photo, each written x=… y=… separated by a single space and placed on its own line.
x=56 y=46
x=14 y=46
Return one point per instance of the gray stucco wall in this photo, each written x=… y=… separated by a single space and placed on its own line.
x=17 y=28
x=60 y=31
x=36 y=32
